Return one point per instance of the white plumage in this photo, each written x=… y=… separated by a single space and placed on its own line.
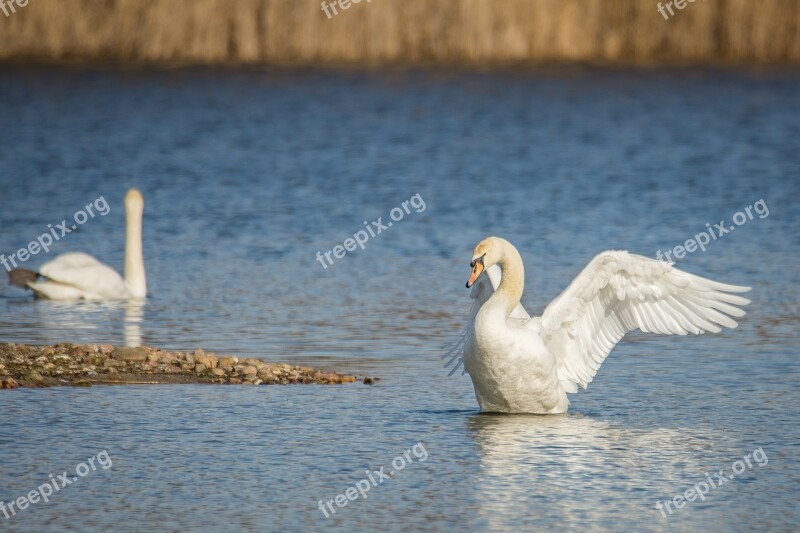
x=520 y=364
x=79 y=276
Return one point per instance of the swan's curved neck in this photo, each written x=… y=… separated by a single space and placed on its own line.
x=134 y=259
x=513 y=278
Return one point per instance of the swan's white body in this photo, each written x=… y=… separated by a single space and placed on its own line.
x=79 y=276
x=520 y=364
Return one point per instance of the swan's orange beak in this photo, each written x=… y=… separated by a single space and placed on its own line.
x=477 y=268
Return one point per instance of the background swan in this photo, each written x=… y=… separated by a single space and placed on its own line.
x=76 y=275
x=520 y=364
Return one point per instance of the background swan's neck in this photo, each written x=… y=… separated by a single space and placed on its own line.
x=134 y=259
x=513 y=279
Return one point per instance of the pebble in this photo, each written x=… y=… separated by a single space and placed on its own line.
x=209 y=361
x=167 y=358
x=227 y=362
x=130 y=354
x=8 y=383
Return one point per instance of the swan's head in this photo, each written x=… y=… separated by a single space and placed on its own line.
x=487 y=253
x=134 y=201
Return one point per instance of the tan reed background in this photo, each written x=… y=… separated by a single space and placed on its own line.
x=401 y=31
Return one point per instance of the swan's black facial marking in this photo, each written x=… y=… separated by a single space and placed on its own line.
x=477 y=260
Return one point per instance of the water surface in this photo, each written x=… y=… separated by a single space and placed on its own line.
x=248 y=174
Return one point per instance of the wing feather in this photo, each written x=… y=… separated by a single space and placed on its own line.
x=84 y=273
x=618 y=293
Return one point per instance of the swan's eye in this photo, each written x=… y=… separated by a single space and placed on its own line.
x=477 y=260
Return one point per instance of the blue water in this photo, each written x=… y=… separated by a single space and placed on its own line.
x=247 y=174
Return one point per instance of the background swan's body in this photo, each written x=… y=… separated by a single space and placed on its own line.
x=520 y=364
x=79 y=276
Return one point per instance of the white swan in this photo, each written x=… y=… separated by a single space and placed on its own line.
x=76 y=275
x=520 y=364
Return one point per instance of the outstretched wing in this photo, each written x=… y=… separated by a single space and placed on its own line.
x=482 y=290
x=618 y=293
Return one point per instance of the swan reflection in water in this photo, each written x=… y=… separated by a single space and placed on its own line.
x=536 y=468
x=93 y=321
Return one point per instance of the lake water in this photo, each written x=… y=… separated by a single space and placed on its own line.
x=247 y=174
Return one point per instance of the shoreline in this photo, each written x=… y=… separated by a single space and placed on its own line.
x=85 y=365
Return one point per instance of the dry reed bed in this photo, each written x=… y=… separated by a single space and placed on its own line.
x=401 y=31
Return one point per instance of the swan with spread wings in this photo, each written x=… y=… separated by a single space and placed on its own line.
x=524 y=364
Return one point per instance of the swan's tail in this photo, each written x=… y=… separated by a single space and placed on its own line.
x=22 y=277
